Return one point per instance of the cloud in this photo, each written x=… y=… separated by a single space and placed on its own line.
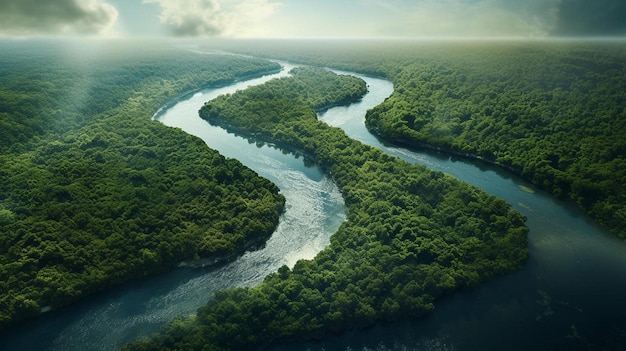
x=591 y=18
x=215 y=18
x=52 y=17
x=191 y=18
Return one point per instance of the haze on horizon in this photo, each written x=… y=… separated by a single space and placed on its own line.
x=313 y=19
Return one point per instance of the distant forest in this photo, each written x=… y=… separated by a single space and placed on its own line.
x=92 y=192
x=553 y=112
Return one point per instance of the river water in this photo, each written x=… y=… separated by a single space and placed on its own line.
x=569 y=295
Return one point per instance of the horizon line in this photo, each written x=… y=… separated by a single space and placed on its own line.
x=320 y=38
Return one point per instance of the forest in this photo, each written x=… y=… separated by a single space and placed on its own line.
x=412 y=235
x=94 y=193
x=553 y=112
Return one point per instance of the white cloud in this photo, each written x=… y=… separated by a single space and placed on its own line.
x=60 y=17
x=215 y=18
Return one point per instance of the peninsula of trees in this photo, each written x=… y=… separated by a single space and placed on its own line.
x=553 y=112
x=411 y=235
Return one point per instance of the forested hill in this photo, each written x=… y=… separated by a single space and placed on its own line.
x=92 y=191
x=553 y=112
x=411 y=235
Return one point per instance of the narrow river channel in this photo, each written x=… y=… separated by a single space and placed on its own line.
x=569 y=296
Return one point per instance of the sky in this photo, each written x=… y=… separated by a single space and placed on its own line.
x=313 y=19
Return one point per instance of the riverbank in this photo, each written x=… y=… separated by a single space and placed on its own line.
x=417 y=146
x=211 y=262
x=213 y=85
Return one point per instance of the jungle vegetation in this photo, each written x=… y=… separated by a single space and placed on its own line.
x=94 y=193
x=553 y=112
x=412 y=235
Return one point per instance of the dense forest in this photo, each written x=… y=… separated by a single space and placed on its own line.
x=553 y=112
x=93 y=192
x=411 y=235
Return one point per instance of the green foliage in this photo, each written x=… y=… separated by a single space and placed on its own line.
x=411 y=235
x=93 y=193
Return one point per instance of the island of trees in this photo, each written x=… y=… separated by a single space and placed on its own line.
x=553 y=112
x=412 y=235
x=93 y=193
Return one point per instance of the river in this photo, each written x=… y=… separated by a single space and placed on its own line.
x=568 y=296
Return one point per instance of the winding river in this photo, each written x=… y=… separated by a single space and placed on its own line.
x=314 y=210
x=568 y=296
